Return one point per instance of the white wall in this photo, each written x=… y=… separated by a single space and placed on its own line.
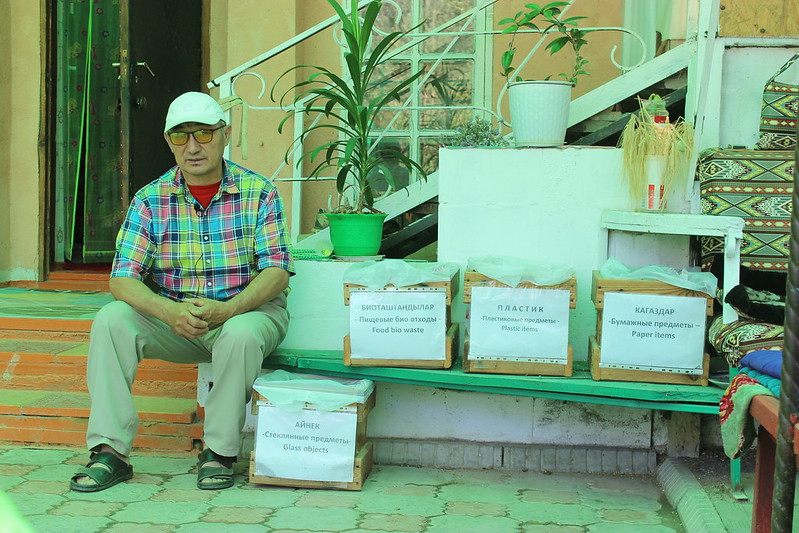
x=745 y=72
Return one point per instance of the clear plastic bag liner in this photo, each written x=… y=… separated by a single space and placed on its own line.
x=290 y=392
x=696 y=281
x=378 y=274
x=511 y=270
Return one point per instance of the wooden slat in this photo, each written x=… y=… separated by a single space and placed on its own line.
x=472 y=278
x=759 y=18
x=519 y=368
x=600 y=286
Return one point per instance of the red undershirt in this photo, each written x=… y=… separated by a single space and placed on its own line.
x=204 y=193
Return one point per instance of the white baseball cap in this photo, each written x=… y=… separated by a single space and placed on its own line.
x=193 y=107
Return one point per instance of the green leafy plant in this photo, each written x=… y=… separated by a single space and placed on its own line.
x=349 y=110
x=544 y=20
x=479 y=133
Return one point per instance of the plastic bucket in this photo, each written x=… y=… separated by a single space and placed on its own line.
x=356 y=234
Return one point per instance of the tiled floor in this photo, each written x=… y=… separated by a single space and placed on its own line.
x=162 y=498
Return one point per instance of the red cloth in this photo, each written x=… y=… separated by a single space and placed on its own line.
x=204 y=193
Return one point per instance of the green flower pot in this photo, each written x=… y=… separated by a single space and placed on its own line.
x=356 y=234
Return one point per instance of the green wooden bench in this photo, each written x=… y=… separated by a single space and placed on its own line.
x=578 y=388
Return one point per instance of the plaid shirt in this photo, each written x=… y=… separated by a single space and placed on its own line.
x=213 y=253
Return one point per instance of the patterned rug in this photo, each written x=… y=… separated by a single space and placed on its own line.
x=757 y=186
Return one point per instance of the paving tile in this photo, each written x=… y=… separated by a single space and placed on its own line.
x=82 y=508
x=183 y=495
x=268 y=497
x=549 y=496
x=386 y=504
x=632 y=516
x=470 y=524
x=619 y=500
x=179 y=481
x=551 y=528
x=387 y=475
x=630 y=528
x=35 y=456
x=329 y=499
x=323 y=519
x=42 y=487
x=128 y=491
x=209 y=527
x=558 y=513
x=9 y=482
x=393 y=522
x=476 y=509
x=484 y=493
x=127 y=527
x=51 y=473
x=412 y=491
x=18 y=470
x=162 y=465
x=68 y=524
x=162 y=512
x=238 y=515
x=33 y=504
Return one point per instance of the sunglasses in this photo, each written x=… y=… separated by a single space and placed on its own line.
x=203 y=136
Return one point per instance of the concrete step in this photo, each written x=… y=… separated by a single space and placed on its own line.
x=56 y=417
x=35 y=364
x=69 y=280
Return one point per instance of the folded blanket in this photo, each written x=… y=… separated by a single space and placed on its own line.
x=737 y=425
x=771 y=383
x=768 y=362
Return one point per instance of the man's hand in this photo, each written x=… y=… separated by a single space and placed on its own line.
x=186 y=319
x=213 y=312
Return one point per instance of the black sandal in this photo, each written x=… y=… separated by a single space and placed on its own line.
x=224 y=472
x=118 y=470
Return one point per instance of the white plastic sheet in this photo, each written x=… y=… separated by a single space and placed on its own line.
x=378 y=274
x=696 y=281
x=512 y=271
x=291 y=392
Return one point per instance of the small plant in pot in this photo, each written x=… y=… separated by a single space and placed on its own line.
x=348 y=107
x=539 y=110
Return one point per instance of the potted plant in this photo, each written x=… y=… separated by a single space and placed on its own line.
x=478 y=133
x=539 y=110
x=655 y=154
x=348 y=106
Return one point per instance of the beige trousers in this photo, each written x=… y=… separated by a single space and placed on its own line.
x=121 y=337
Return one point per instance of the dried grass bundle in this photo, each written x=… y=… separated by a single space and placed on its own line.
x=642 y=137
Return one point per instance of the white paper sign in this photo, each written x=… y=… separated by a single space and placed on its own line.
x=307 y=444
x=653 y=332
x=398 y=325
x=519 y=324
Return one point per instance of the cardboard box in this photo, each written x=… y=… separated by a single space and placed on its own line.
x=307 y=447
x=472 y=278
x=404 y=362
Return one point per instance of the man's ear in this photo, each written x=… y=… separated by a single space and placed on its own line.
x=166 y=139
x=228 y=134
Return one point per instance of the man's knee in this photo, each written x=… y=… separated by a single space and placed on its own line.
x=112 y=315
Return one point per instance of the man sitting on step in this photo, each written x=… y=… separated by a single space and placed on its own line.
x=211 y=235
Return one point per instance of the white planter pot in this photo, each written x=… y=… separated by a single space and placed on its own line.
x=539 y=112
